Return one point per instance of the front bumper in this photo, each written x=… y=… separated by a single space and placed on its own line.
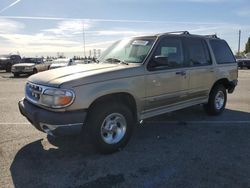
x=53 y=123
x=27 y=71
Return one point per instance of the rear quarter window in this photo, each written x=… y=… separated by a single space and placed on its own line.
x=222 y=52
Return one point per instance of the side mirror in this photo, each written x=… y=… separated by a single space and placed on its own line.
x=160 y=61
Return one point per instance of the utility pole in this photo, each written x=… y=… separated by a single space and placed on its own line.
x=83 y=37
x=239 y=42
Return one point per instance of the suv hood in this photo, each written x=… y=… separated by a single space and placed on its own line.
x=24 y=65
x=3 y=59
x=83 y=74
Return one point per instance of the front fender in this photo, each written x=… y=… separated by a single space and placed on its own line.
x=87 y=94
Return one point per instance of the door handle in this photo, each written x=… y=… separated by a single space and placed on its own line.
x=182 y=73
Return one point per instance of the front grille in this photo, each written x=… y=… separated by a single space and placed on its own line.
x=19 y=68
x=33 y=92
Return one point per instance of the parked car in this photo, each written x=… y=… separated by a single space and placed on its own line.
x=85 y=61
x=6 y=61
x=61 y=62
x=135 y=79
x=243 y=63
x=29 y=66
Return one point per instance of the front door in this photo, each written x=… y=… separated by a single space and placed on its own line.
x=167 y=77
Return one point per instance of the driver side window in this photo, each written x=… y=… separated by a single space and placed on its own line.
x=168 y=54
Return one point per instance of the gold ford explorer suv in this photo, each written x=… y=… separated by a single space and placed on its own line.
x=134 y=79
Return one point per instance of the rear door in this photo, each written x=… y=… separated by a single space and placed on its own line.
x=201 y=71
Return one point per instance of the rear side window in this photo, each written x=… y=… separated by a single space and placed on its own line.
x=222 y=52
x=197 y=52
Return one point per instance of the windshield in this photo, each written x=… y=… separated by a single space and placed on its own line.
x=29 y=60
x=128 y=50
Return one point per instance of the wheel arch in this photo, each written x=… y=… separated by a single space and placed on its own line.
x=120 y=97
x=223 y=81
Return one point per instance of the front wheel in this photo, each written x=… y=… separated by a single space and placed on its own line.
x=110 y=127
x=217 y=100
x=35 y=71
x=16 y=74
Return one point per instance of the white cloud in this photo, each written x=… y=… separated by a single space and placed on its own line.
x=66 y=36
x=69 y=27
x=10 y=26
x=37 y=39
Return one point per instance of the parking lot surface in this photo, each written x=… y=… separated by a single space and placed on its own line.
x=186 y=148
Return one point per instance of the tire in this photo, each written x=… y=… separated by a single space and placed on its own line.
x=248 y=67
x=34 y=71
x=16 y=74
x=8 y=67
x=100 y=119
x=217 y=100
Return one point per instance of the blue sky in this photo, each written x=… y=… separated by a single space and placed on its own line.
x=45 y=27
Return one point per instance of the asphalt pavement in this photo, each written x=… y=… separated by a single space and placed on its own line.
x=186 y=148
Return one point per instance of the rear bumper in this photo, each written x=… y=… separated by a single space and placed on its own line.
x=53 y=123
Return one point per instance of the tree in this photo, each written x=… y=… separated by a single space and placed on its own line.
x=247 y=50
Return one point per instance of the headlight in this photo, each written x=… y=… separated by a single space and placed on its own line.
x=57 y=98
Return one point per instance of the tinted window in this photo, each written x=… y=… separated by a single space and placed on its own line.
x=197 y=52
x=170 y=49
x=222 y=52
x=32 y=60
x=15 y=57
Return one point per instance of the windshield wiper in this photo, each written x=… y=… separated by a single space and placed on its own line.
x=114 y=60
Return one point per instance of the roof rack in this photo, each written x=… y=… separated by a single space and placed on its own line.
x=177 y=32
x=211 y=36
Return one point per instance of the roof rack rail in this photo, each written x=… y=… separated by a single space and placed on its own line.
x=212 y=36
x=177 y=32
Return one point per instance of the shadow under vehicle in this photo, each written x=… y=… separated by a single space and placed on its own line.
x=197 y=155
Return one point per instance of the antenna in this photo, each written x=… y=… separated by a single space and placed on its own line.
x=239 y=42
x=83 y=38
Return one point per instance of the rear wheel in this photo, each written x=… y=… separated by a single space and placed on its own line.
x=110 y=126
x=217 y=100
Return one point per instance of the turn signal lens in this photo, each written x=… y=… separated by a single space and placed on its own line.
x=57 y=98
